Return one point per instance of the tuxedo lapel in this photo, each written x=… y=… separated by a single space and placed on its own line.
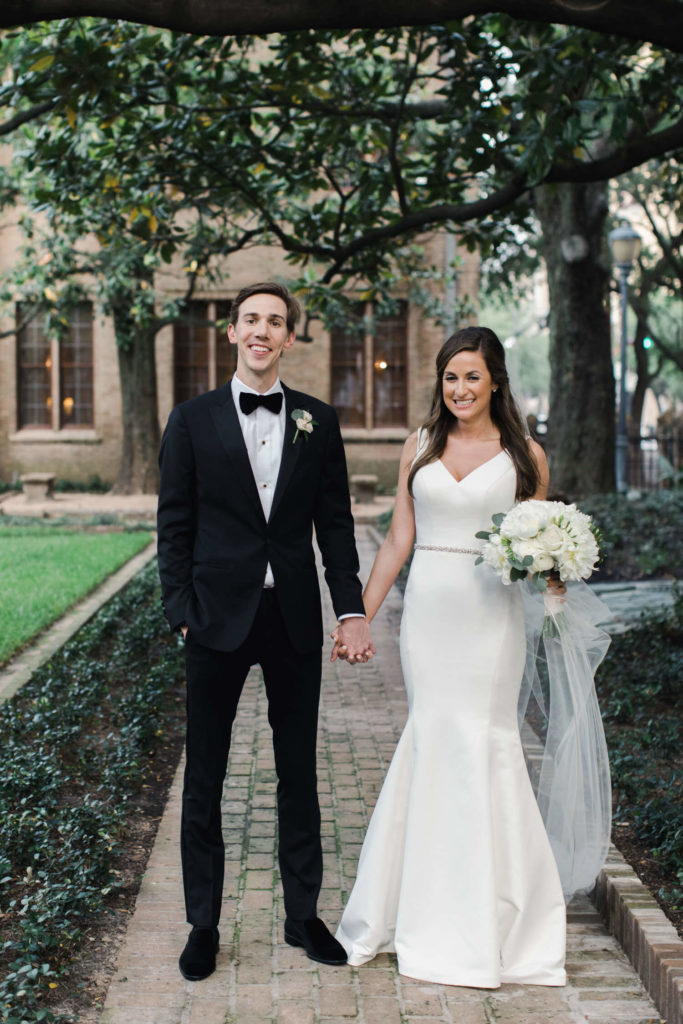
x=290 y=451
x=227 y=425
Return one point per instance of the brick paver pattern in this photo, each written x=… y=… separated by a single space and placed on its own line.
x=261 y=979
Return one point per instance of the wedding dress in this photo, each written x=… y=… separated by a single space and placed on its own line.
x=456 y=875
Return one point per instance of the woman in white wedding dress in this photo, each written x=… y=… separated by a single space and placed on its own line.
x=456 y=875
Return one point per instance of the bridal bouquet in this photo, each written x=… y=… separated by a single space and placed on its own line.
x=536 y=537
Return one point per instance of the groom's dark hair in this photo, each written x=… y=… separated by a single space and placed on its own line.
x=267 y=288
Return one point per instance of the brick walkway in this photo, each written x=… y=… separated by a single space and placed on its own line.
x=259 y=978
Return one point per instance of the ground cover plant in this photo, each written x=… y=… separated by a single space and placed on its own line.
x=640 y=688
x=44 y=571
x=640 y=537
x=77 y=740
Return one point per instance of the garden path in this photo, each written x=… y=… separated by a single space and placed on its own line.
x=259 y=978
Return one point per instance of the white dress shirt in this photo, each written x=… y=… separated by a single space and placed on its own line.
x=264 y=435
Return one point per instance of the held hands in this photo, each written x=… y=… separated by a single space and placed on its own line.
x=352 y=641
x=556 y=587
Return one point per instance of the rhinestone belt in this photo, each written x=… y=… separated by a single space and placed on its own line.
x=438 y=547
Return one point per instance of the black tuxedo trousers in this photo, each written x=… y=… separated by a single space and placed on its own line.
x=214 y=684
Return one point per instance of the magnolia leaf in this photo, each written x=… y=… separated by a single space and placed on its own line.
x=43 y=63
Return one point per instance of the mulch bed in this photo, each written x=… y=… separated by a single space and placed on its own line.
x=648 y=869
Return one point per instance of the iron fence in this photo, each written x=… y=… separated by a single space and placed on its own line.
x=654 y=460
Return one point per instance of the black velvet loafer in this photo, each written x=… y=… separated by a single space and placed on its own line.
x=314 y=936
x=198 y=959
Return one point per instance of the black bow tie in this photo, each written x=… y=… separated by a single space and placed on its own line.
x=249 y=402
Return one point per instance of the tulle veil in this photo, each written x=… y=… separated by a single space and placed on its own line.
x=570 y=775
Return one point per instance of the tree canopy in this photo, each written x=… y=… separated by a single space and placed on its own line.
x=338 y=146
x=142 y=147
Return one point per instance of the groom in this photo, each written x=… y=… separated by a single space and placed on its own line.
x=243 y=483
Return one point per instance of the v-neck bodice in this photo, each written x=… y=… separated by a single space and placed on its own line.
x=449 y=512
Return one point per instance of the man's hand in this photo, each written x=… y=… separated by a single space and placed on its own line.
x=352 y=641
x=183 y=630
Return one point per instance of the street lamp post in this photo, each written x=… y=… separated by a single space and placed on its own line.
x=625 y=243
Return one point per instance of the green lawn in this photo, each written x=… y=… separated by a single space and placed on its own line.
x=44 y=571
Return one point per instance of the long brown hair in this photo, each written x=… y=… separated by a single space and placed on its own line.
x=504 y=412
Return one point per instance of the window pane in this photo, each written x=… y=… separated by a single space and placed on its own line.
x=76 y=370
x=389 y=369
x=348 y=370
x=226 y=354
x=34 y=374
x=191 y=353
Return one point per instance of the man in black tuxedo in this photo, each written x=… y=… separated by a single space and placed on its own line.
x=247 y=472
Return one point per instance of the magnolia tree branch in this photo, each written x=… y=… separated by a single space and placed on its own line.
x=633 y=151
x=26 y=115
x=658 y=21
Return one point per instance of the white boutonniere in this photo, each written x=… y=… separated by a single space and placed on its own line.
x=304 y=423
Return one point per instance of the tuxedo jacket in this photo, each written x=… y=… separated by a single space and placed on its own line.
x=214 y=542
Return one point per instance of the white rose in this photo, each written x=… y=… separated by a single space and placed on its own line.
x=534 y=548
x=542 y=562
x=556 y=540
x=305 y=424
x=306 y=417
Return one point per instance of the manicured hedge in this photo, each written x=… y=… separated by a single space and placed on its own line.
x=75 y=743
x=640 y=687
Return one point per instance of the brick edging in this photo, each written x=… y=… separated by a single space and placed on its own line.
x=646 y=935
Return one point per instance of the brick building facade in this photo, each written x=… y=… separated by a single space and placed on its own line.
x=60 y=402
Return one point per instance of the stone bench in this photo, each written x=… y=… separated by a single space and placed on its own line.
x=363 y=487
x=38 y=486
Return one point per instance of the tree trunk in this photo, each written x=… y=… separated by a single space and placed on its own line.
x=581 y=416
x=138 y=470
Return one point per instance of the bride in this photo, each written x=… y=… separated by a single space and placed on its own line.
x=456 y=875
